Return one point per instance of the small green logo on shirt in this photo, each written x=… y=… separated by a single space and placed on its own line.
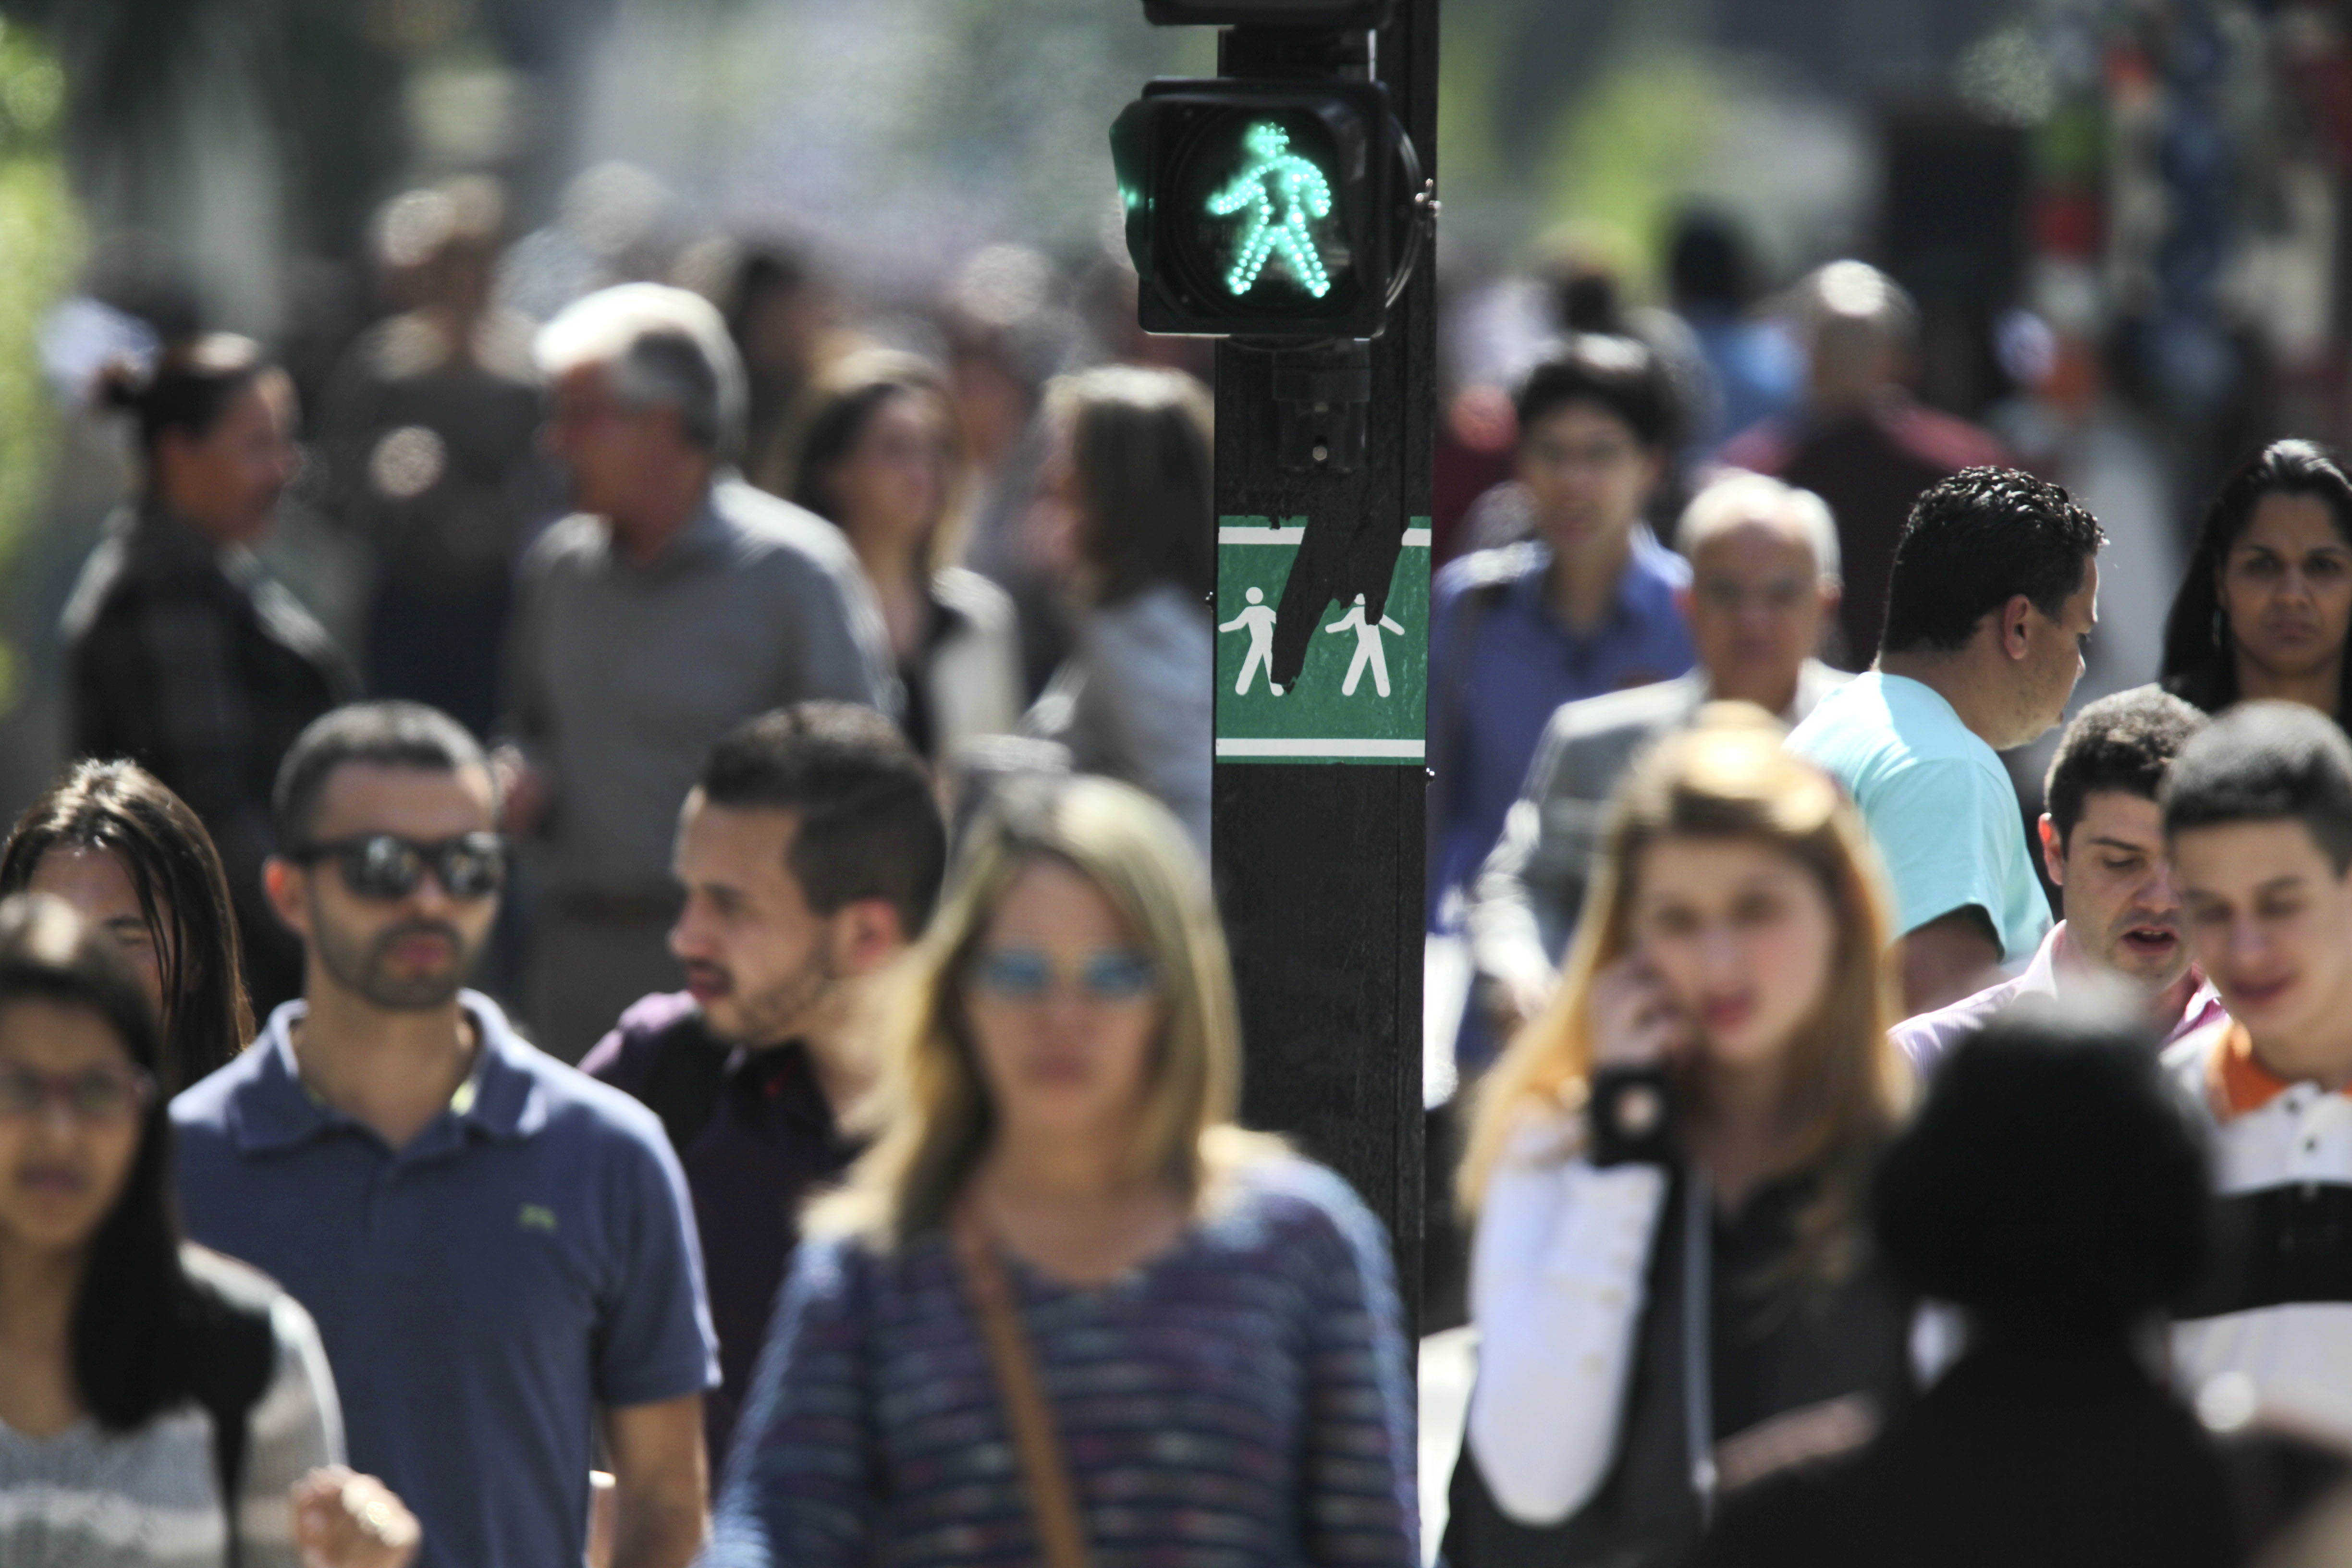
x=535 y=1216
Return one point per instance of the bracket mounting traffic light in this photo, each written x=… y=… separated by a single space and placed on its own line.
x=1270 y=209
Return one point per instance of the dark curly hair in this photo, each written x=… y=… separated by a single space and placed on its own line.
x=1619 y=375
x=2199 y=663
x=2124 y=742
x=2052 y=1184
x=1973 y=543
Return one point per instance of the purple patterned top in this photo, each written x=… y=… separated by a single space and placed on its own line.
x=1239 y=1399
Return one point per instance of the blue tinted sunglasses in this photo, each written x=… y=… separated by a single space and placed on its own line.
x=1028 y=975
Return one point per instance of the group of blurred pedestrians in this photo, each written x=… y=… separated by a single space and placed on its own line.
x=1829 y=1197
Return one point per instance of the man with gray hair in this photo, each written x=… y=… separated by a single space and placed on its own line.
x=674 y=603
x=1862 y=442
x=1764 y=581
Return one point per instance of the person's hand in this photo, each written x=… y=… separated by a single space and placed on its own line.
x=1635 y=1020
x=343 y=1519
x=1513 y=1002
x=524 y=793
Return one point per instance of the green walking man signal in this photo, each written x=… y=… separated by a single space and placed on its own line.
x=1281 y=180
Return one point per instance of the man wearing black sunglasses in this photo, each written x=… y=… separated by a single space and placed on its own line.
x=498 y=1250
x=810 y=852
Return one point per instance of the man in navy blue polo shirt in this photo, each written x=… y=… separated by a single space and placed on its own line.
x=497 y=1248
x=810 y=851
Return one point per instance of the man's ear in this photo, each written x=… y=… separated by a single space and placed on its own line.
x=2054 y=851
x=288 y=893
x=2014 y=641
x=866 y=935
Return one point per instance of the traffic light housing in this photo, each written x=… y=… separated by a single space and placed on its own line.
x=1349 y=14
x=1264 y=209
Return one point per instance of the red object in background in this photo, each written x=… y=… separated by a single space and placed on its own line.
x=2067 y=223
x=1474 y=454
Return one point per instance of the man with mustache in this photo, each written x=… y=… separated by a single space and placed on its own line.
x=810 y=851
x=2103 y=842
x=497 y=1248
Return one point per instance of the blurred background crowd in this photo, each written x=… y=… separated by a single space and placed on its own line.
x=1855 y=248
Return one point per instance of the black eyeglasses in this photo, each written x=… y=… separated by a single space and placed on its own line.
x=384 y=866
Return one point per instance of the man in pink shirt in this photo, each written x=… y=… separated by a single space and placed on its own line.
x=2103 y=841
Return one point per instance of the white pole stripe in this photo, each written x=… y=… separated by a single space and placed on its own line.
x=1400 y=750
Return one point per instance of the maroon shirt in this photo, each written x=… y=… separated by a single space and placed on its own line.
x=756 y=1136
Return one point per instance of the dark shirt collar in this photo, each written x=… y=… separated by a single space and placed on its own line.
x=785 y=1076
x=501 y=1097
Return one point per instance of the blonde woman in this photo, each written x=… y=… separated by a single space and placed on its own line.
x=1667 y=1167
x=1205 y=1361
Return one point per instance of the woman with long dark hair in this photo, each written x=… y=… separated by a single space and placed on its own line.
x=1668 y=1170
x=161 y=1407
x=877 y=460
x=2264 y=609
x=110 y=840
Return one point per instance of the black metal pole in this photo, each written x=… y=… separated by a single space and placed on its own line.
x=1318 y=862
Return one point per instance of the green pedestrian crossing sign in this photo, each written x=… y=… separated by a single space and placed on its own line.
x=1362 y=694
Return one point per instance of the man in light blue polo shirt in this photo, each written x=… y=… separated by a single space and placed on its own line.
x=498 y=1250
x=1995 y=590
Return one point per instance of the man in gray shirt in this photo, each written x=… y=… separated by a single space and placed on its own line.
x=1764 y=582
x=676 y=603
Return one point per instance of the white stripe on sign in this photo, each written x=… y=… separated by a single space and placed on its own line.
x=1405 y=751
x=1414 y=538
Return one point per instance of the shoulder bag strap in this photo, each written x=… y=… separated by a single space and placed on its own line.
x=1698 y=1357
x=1045 y=1472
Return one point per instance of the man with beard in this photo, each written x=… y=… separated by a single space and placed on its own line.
x=810 y=851
x=2102 y=843
x=497 y=1248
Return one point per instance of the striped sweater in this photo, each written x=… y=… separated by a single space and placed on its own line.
x=1239 y=1399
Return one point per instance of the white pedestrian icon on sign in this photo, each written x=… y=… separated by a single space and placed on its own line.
x=1369 y=648
x=1258 y=621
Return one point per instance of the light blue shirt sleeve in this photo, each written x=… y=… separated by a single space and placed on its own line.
x=1951 y=835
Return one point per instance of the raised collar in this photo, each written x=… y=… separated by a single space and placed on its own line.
x=2236 y=1083
x=501 y=1099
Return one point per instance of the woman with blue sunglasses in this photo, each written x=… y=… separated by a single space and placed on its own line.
x=1064 y=1307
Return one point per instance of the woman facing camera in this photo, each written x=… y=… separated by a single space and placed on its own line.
x=1667 y=1170
x=126 y=852
x=2267 y=601
x=160 y=1405
x=1064 y=1305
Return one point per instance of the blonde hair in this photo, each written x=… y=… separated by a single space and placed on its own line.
x=1729 y=777
x=932 y=1116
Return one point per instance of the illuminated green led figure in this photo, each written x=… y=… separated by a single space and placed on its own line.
x=1278 y=179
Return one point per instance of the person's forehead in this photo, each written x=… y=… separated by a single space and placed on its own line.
x=740 y=844
x=1757 y=542
x=2120 y=813
x=2226 y=856
x=413 y=802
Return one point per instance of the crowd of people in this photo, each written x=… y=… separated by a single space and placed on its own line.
x=707 y=1036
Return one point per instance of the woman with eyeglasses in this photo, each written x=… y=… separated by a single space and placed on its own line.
x=108 y=838
x=1667 y=1170
x=1064 y=1306
x=160 y=1405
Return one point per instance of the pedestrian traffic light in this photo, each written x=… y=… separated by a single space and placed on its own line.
x=1350 y=14
x=1265 y=208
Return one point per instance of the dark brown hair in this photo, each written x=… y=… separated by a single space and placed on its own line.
x=121 y=809
x=191 y=384
x=1140 y=445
